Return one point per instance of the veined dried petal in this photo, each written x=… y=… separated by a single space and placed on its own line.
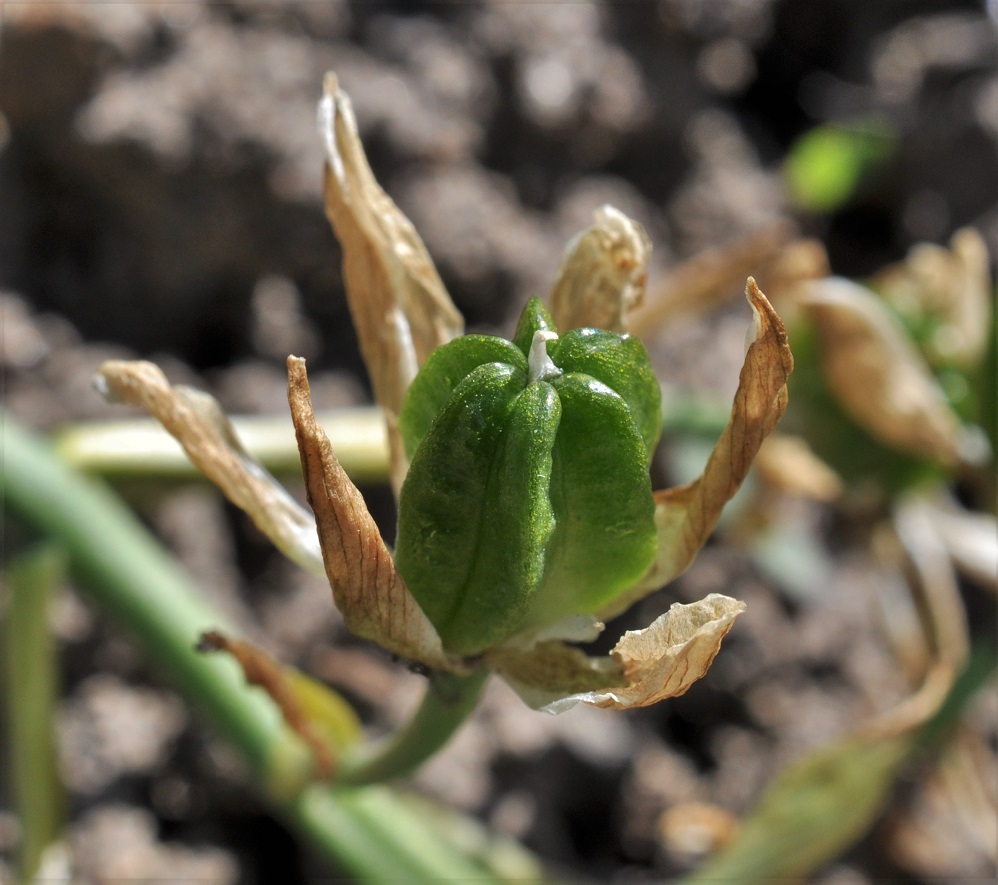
x=200 y=426
x=686 y=515
x=370 y=593
x=603 y=274
x=878 y=376
x=646 y=666
x=399 y=305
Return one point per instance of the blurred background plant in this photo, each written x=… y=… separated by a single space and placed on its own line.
x=160 y=178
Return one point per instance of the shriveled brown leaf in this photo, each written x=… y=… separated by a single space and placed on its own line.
x=367 y=588
x=645 y=667
x=878 y=376
x=949 y=287
x=700 y=282
x=197 y=422
x=686 y=515
x=603 y=274
x=399 y=305
x=262 y=670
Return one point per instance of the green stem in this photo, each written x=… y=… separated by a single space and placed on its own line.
x=140 y=447
x=448 y=702
x=30 y=695
x=131 y=575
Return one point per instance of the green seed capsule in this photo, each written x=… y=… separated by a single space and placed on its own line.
x=528 y=497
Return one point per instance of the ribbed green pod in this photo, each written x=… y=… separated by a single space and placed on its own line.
x=528 y=497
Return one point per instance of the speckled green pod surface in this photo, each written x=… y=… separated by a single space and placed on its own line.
x=528 y=497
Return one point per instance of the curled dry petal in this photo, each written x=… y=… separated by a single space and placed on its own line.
x=686 y=515
x=200 y=426
x=368 y=590
x=603 y=274
x=646 y=666
x=878 y=376
x=399 y=305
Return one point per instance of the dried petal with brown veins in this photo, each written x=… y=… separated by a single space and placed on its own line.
x=399 y=305
x=197 y=422
x=686 y=515
x=367 y=588
x=878 y=376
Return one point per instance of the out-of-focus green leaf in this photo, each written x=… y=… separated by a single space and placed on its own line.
x=30 y=695
x=825 y=165
x=811 y=812
x=820 y=806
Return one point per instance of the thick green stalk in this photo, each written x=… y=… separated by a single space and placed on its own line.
x=448 y=702
x=134 y=578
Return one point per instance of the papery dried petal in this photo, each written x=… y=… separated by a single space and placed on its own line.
x=368 y=590
x=603 y=274
x=399 y=305
x=200 y=426
x=878 y=376
x=686 y=515
x=645 y=667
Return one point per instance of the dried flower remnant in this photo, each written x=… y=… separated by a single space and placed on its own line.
x=948 y=293
x=399 y=305
x=878 y=375
x=402 y=314
x=603 y=274
x=198 y=423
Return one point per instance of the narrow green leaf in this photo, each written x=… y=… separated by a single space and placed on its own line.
x=811 y=812
x=30 y=693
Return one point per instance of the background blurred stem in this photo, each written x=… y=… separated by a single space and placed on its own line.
x=30 y=692
x=141 y=447
x=134 y=578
